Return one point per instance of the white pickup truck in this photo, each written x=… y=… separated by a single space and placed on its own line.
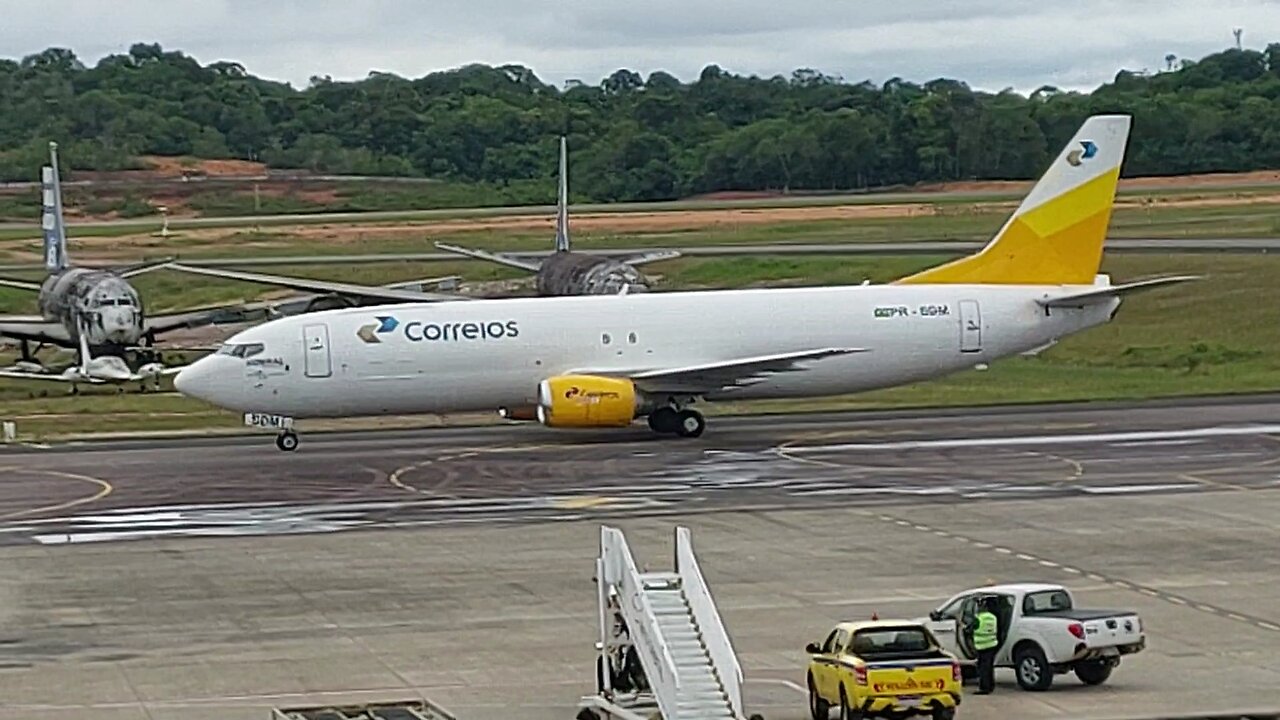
x=1042 y=633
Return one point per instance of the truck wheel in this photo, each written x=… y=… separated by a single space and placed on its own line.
x=819 y=709
x=1031 y=668
x=846 y=712
x=1093 y=672
x=941 y=713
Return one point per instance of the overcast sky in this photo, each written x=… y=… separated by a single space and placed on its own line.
x=991 y=44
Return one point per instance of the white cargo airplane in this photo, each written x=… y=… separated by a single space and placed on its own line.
x=603 y=361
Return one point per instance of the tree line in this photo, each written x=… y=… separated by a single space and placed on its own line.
x=631 y=137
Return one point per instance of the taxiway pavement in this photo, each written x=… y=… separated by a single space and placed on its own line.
x=475 y=590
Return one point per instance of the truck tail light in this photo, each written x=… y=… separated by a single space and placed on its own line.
x=955 y=671
x=1076 y=629
x=860 y=675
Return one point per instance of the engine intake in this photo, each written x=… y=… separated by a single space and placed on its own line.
x=587 y=401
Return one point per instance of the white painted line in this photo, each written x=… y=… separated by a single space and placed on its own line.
x=1024 y=556
x=1175 y=600
x=1073 y=571
x=1149 y=592
x=1096 y=576
x=1049 y=563
x=1004 y=551
x=772 y=681
x=1074 y=439
x=1268 y=626
x=1205 y=608
x=1129 y=489
x=983 y=545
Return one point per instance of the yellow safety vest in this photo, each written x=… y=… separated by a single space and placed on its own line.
x=984 y=636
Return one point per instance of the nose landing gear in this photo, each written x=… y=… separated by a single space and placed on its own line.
x=287 y=441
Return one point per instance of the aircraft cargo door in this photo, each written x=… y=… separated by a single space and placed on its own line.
x=316 y=338
x=970 y=326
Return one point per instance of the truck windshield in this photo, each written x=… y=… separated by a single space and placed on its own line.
x=890 y=642
x=1046 y=601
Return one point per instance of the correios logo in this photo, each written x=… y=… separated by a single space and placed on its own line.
x=369 y=333
x=416 y=331
x=1088 y=150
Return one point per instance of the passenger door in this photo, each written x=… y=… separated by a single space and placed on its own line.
x=947 y=627
x=970 y=326
x=827 y=676
x=968 y=617
x=315 y=339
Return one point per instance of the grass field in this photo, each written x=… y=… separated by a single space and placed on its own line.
x=1217 y=335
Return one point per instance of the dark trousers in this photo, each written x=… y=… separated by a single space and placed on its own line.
x=986 y=670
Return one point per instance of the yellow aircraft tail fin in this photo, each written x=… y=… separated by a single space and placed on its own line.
x=1055 y=237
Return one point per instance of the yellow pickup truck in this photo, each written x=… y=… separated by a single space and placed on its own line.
x=882 y=667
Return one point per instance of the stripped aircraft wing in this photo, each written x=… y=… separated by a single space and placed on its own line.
x=530 y=265
x=390 y=294
x=34 y=329
x=1102 y=294
x=20 y=284
x=651 y=257
x=723 y=375
x=19 y=375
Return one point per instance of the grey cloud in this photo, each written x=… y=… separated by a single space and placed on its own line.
x=990 y=44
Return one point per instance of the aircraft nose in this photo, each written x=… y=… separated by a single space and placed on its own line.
x=208 y=380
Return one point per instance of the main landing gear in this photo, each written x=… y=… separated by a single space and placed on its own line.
x=287 y=441
x=685 y=422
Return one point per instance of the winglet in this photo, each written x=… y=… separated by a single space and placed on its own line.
x=562 y=200
x=1056 y=235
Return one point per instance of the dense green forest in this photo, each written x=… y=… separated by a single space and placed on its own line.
x=631 y=137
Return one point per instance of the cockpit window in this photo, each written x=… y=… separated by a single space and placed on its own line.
x=241 y=350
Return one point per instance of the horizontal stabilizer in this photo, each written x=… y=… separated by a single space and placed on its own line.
x=651 y=257
x=1102 y=294
x=529 y=265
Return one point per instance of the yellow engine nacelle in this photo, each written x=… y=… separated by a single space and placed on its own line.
x=587 y=401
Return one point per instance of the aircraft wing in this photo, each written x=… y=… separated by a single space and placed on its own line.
x=1102 y=294
x=530 y=265
x=651 y=257
x=20 y=375
x=142 y=268
x=19 y=284
x=723 y=375
x=163 y=323
x=34 y=328
x=390 y=294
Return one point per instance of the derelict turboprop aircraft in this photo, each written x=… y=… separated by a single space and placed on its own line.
x=565 y=272
x=605 y=360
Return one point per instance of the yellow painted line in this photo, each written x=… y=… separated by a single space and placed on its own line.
x=583 y=503
x=104 y=489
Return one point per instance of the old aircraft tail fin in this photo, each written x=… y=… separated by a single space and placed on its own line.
x=1055 y=237
x=562 y=200
x=51 y=223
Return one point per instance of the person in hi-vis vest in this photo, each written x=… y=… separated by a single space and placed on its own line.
x=986 y=638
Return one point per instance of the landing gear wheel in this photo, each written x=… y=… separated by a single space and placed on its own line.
x=287 y=441
x=691 y=423
x=663 y=420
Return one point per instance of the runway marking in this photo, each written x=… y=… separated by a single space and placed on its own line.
x=104 y=489
x=1121 y=583
x=1081 y=438
x=774 y=681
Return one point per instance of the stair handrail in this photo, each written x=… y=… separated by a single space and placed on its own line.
x=642 y=622
x=714 y=635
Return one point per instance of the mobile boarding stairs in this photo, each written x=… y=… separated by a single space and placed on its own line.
x=663 y=649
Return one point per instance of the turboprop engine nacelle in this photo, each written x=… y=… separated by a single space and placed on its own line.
x=587 y=401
